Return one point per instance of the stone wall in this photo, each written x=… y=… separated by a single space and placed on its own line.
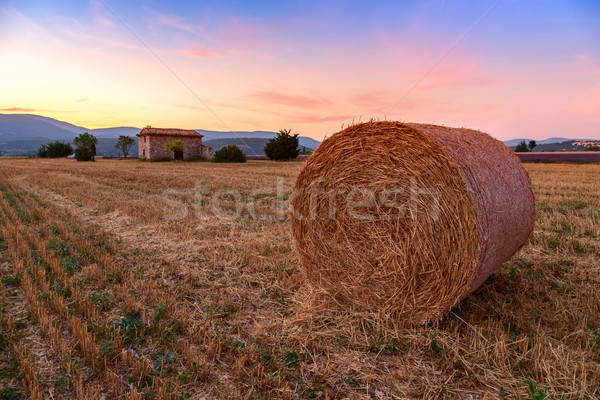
x=143 y=147
x=154 y=147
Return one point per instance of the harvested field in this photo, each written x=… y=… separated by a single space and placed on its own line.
x=129 y=280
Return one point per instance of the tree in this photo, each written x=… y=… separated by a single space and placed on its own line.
x=86 y=147
x=305 y=151
x=532 y=145
x=176 y=146
x=124 y=144
x=283 y=147
x=55 y=150
x=522 y=147
x=593 y=148
x=229 y=153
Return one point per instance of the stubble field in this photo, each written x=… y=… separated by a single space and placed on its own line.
x=122 y=279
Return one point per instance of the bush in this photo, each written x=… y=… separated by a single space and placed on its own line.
x=522 y=147
x=86 y=147
x=55 y=150
x=592 y=148
x=283 y=147
x=230 y=153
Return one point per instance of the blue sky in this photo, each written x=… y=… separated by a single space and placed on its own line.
x=527 y=69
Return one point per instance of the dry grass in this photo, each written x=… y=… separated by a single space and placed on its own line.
x=101 y=295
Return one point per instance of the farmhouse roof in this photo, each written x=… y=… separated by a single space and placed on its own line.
x=168 y=132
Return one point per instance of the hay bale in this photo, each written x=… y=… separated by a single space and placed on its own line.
x=400 y=221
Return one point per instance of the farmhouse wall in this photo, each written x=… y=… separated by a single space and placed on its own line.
x=154 y=147
x=144 y=146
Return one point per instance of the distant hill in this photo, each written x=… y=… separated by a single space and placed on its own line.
x=19 y=127
x=552 y=140
x=23 y=134
x=106 y=133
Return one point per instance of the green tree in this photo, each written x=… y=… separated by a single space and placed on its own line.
x=124 y=144
x=55 y=150
x=522 y=147
x=593 y=148
x=283 y=147
x=229 y=153
x=305 y=150
x=532 y=145
x=86 y=147
x=176 y=146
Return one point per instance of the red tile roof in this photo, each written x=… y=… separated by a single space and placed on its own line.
x=168 y=132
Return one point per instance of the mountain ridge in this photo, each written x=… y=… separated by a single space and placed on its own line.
x=22 y=134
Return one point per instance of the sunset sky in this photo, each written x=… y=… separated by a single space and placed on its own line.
x=513 y=68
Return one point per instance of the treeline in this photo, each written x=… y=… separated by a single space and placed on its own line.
x=285 y=146
x=85 y=147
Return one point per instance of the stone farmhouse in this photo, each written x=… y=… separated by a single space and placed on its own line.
x=152 y=143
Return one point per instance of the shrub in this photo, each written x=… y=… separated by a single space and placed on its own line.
x=522 y=147
x=283 y=147
x=86 y=147
x=55 y=150
x=230 y=153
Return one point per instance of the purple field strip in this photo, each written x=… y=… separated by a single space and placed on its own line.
x=254 y=157
x=560 y=156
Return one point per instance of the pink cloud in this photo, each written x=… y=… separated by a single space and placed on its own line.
x=240 y=37
x=458 y=74
x=19 y=109
x=173 y=21
x=101 y=14
x=290 y=100
x=373 y=101
x=198 y=52
x=314 y=117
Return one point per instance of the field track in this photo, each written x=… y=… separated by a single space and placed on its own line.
x=123 y=279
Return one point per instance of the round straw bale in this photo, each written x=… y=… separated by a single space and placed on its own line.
x=401 y=221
